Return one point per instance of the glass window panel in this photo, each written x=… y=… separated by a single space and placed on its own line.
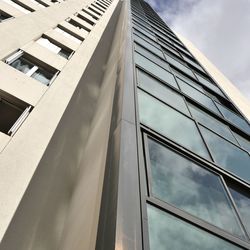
x=196 y=65
x=198 y=96
x=188 y=186
x=227 y=155
x=42 y=76
x=22 y=65
x=242 y=201
x=167 y=232
x=188 y=80
x=151 y=56
x=166 y=48
x=170 y=123
x=210 y=85
x=148 y=45
x=156 y=70
x=179 y=65
x=243 y=142
x=161 y=91
x=212 y=123
x=140 y=31
x=4 y=16
x=235 y=119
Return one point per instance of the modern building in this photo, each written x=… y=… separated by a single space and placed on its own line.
x=116 y=133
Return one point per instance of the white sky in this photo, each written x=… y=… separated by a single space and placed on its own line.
x=219 y=28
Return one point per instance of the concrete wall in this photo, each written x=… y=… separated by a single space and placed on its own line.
x=41 y=165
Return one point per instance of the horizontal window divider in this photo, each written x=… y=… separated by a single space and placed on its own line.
x=197 y=222
x=212 y=166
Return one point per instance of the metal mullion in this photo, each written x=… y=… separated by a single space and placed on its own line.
x=147 y=165
x=235 y=208
x=197 y=222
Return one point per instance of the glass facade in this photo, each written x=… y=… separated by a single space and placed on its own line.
x=194 y=145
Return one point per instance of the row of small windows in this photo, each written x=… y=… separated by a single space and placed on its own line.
x=183 y=115
x=19 y=5
x=14 y=111
x=98 y=7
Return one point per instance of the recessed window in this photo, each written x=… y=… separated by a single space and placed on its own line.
x=41 y=4
x=78 y=25
x=167 y=232
x=186 y=185
x=4 y=16
x=13 y=112
x=91 y=14
x=31 y=67
x=23 y=9
x=242 y=200
x=234 y=118
x=170 y=123
x=66 y=34
x=55 y=48
x=84 y=18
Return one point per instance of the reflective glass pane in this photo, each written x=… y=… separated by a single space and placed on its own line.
x=198 y=96
x=170 y=123
x=188 y=80
x=210 y=85
x=150 y=45
x=188 y=186
x=42 y=76
x=242 y=201
x=212 y=123
x=22 y=65
x=193 y=63
x=167 y=232
x=235 y=119
x=227 y=155
x=243 y=142
x=156 y=70
x=179 y=65
x=161 y=91
x=151 y=56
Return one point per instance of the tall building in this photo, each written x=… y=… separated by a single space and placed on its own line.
x=116 y=133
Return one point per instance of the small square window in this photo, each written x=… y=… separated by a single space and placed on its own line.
x=13 y=112
x=4 y=16
x=55 y=47
x=31 y=67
